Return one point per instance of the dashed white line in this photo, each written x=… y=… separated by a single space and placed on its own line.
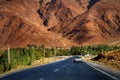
x=104 y=72
x=56 y=70
x=67 y=64
x=63 y=66
x=41 y=79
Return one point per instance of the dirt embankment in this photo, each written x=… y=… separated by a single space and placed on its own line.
x=110 y=59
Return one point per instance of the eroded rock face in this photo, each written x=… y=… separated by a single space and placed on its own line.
x=84 y=21
x=102 y=17
x=57 y=14
x=59 y=22
x=20 y=25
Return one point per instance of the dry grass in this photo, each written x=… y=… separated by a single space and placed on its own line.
x=111 y=59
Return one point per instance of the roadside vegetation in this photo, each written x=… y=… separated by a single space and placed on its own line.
x=93 y=50
x=26 y=56
x=110 y=59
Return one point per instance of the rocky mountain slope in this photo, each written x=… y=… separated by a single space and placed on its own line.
x=59 y=22
x=83 y=21
x=20 y=25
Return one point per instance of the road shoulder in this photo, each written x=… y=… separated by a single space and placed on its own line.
x=104 y=69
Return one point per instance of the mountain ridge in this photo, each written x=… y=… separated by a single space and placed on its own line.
x=59 y=22
x=95 y=28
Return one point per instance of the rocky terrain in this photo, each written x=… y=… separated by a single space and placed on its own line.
x=59 y=22
x=83 y=21
x=20 y=24
x=111 y=59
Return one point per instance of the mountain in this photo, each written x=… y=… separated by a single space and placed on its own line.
x=83 y=21
x=20 y=25
x=59 y=22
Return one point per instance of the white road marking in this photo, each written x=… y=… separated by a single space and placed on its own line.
x=63 y=66
x=67 y=64
x=56 y=70
x=41 y=79
x=103 y=72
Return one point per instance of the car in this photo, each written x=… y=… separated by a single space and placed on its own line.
x=77 y=59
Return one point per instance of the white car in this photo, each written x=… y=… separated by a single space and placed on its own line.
x=77 y=59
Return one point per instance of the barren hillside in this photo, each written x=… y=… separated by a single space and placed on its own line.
x=20 y=24
x=83 y=21
x=59 y=22
x=111 y=59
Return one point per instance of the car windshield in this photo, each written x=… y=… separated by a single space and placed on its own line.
x=77 y=57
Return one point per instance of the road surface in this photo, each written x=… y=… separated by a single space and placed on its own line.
x=62 y=70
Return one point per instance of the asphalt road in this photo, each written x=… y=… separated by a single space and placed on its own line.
x=62 y=70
